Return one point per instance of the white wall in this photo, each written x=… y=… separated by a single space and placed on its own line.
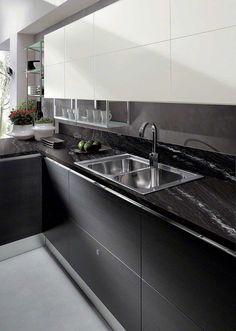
x=15 y=15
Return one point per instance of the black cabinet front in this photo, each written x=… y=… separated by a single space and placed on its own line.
x=160 y=315
x=112 y=221
x=20 y=197
x=194 y=276
x=114 y=284
x=56 y=224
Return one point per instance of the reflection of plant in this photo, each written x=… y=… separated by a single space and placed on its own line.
x=22 y=116
x=32 y=104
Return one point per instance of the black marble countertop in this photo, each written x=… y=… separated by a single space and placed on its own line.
x=206 y=206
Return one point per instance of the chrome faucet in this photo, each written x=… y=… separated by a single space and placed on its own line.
x=153 y=156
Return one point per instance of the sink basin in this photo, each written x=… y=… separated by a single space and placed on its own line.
x=154 y=179
x=116 y=165
x=135 y=173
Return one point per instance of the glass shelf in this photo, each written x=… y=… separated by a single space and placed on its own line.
x=110 y=124
x=34 y=71
x=36 y=47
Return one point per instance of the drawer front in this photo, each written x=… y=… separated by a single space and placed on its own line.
x=113 y=283
x=196 y=277
x=112 y=221
x=20 y=197
x=159 y=314
x=55 y=206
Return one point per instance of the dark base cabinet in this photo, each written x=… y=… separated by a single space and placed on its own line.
x=114 y=284
x=192 y=275
x=56 y=224
x=159 y=315
x=20 y=197
x=115 y=223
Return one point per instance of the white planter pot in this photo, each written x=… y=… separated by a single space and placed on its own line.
x=43 y=131
x=22 y=132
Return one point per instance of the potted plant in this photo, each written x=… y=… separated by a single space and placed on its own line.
x=43 y=128
x=22 y=121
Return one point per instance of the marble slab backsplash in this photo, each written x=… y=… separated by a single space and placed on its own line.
x=203 y=162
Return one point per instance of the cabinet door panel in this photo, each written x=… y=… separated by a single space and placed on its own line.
x=197 y=278
x=79 y=79
x=54 y=81
x=55 y=206
x=113 y=283
x=159 y=314
x=109 y=219
x=20 y=198
x=205 y=76
x=54 y=47
x=140 y=74
x=131 y=23
x=195 y=16
x=79 y=39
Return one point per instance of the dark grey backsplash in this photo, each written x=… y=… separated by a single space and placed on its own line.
x=206 y=127
x=204 y=162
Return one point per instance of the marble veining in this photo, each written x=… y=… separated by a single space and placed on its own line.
x=207 y=205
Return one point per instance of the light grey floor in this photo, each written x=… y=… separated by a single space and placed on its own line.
x=36 y=295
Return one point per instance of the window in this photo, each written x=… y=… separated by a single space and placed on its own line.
x=4 y=93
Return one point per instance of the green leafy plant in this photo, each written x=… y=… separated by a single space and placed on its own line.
x=44 y=120
x=32 y=104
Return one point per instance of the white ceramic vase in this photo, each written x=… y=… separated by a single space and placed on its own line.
x=43 y=130
x=22 y=132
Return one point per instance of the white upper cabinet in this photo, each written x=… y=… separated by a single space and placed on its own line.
x=54 y=81
x=204 y=67
x=54 y=47
x=194 y=16
x=79 y=79
x=131 y=23
x=79 y=39
x=138 y=74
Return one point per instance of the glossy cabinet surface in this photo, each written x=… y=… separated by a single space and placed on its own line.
x=20 y=198
x=131 y=23
x=54 y=81
x=56 y=223
x=79 y=79
x=79 y=39
x=112 y=221
x=159 y=314
x=54 y=47
x=137 y=74
x=192 y=275
x=114 y=284
x=205 y=76
x=196 y=16
x=151 y=51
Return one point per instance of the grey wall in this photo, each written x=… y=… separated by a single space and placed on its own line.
x=210 y=127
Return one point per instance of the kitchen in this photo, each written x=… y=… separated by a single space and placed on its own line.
x=118 y=167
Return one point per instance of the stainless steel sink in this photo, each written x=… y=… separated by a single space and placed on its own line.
x=115 y=165
x=135 y=173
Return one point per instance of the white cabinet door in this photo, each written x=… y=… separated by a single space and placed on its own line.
x=79 y=39
x=131 y=23
x=54 y=81
x=54 y=47
x=79 y=79
x=194 y=16
x=138 y=74
x=204 y=67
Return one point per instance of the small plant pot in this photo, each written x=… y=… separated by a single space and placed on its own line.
x=22 y=132
x=43 y=130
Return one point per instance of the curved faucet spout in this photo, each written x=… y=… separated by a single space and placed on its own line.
x=153 y=156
